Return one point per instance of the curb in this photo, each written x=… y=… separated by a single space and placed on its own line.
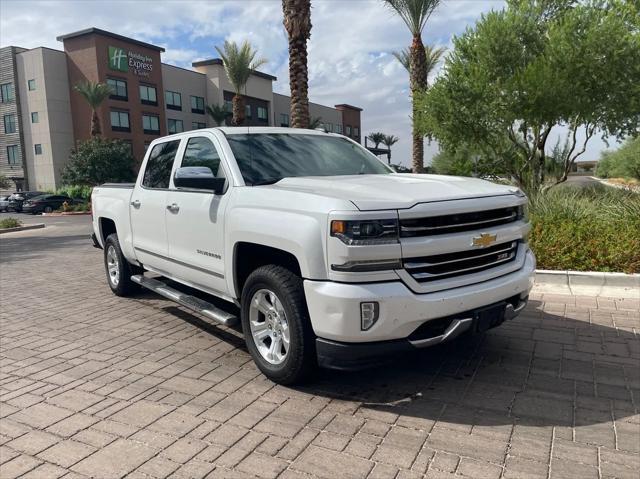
x=22 y=228
x=588 y=283
x=68 y=213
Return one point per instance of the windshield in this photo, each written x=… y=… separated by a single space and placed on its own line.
x=268 y=157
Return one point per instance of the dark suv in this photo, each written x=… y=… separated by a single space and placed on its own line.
x=45 y=203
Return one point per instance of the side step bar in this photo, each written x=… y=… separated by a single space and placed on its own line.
x=196 y=304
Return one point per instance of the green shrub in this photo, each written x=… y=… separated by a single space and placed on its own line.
x=10 y=223
x=621 y=163
x=82 y=192
x=99 y=160
x=586 y=229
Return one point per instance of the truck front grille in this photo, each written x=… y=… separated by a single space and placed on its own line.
x=437 y=225
x=449 y=265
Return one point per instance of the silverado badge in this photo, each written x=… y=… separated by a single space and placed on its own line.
x=484 y=240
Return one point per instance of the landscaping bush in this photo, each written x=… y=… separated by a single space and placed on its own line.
x=10 y=223
x=82 y=192
x=586 y=229
x=621 y=163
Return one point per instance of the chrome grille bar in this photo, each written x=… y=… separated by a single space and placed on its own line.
x=463 y=270
x=414 y=265
x=414 y=229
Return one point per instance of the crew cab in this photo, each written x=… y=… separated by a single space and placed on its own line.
x=322 y=252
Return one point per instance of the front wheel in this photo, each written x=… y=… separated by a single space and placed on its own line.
x=118 y=269
x=48 y=209
x=276 y=324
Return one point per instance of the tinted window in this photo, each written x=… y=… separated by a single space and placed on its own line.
x=200 y=151
x=158 y=170
x=270 y=157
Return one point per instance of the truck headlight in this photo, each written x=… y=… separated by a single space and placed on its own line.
x=523 y=212
x=365 y=232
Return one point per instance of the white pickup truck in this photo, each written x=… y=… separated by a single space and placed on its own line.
x=324 y=254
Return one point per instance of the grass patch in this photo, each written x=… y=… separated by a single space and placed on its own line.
x=10 y=223
x=586 y=229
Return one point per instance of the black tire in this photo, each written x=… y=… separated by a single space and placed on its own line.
x=300 y=361
x=48 y=209
x=123 y=286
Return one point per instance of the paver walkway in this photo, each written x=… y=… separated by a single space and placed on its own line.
x=99 y=386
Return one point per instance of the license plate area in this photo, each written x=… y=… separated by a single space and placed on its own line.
x=489 y=317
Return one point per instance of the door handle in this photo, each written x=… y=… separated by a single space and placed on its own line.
x=135 y=204
x=174 y=208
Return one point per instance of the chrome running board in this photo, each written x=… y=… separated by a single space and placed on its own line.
x=195 y=304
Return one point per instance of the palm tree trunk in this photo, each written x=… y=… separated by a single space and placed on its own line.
x=389 y=156
x=95 y=124
x=297 y=22
x=238 y=110
x=418 y=80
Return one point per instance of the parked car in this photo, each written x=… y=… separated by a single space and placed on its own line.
x=17 y=199
x=45 y=203
x=328 y=256
x=4 y=203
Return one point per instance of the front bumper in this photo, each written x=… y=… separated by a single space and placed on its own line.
x=355 y=356
x=334 y=308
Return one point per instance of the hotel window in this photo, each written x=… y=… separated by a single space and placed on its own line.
x=9 y=123
x=151 y=124
x=339 y=128
x=31 y=84
x=173 y=100
x=6 y=92
x=118 y=89
x=247 y=111
x=148 y=95
x=197 y=125
x=120 y=121
x=13 y=155
x=175 y=126
x=34 y=117
x=228 y=105
x=262 y=113
x=37 y=148
x=356 y=131
x=284 y=119
x=347 y=130
x=197 y=104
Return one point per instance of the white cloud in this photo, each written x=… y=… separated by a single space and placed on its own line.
x=349 y=52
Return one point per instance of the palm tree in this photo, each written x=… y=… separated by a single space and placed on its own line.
x=415 y=14
x=376 y=138
x=433 y=55
x=297 y=23
x=95 y=94
x=239 y=62
x=316 y=122
x=389 y=141
x=217 y=113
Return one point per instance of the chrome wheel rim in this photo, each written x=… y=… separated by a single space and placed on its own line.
x=269 y=326
x=113 y=266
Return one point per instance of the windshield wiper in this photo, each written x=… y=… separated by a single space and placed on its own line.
x=266 y=181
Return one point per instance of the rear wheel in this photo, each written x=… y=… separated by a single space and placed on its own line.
x=48 y=209
x=118 y=269
x=276 y=325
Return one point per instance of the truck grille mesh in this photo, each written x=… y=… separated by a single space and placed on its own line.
x=437 y=225
x=442 y=266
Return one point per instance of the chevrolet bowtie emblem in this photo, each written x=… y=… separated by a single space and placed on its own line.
x=484 y=240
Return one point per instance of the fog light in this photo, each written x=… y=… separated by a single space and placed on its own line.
x=369 y=313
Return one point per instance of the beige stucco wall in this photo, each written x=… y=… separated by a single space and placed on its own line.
x=330 y=116
x=187 y=83
x=54 y=130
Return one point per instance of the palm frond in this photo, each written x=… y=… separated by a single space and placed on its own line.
x=390 y=140
x=433 y=56
x=95 y=93
x=217 y=113
x=376 y=138
x=414 y=13
x=239 y=61
x=404 y=57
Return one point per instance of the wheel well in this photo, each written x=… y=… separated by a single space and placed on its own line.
x=249 y=256
x=107 y=226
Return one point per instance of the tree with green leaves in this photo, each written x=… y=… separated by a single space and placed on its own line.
x=432 y=54
x=415 y=14
x=621 y=163
x=535 y=70
x=389 y=141
x=99 y=160
x=217 y=113
x=5 y=183
x=315 y=122
x=297 y=23
x=95 y=94
x=376 y=138
x=239 y=62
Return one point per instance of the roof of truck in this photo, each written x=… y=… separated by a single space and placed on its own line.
x=236 y=130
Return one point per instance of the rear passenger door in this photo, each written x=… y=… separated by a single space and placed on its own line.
x=149 y=206
x=195 y=223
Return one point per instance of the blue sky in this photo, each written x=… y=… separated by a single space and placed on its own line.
x=350 y=58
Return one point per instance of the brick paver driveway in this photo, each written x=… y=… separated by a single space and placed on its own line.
x=94 y=385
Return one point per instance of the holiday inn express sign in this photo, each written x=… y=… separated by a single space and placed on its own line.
x=122 y=60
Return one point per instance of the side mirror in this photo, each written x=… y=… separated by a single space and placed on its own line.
x=198 y=178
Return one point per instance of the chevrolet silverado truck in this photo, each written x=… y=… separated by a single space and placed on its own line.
x=323 y=253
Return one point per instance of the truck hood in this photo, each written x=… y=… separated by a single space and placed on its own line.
x=394 y=191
